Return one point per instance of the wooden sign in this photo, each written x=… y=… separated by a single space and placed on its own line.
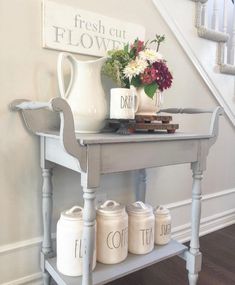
x=71 y=29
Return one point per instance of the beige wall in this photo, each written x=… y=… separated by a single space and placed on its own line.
x=28 y=71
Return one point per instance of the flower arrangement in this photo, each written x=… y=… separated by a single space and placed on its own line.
x=140 y=66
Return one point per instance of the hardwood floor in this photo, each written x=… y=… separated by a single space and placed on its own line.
x=218 y=266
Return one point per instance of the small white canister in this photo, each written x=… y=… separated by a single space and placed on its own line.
x=162 y=225
x=69 y=242
x=140 y=228
x=112 y=233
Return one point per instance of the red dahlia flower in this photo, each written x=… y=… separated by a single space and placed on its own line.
x=149 y=75
x=163 y=75
x=137 y=46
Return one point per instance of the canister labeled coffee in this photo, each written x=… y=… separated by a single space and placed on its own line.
x=112 y=232
x=140 y=228
x=69 y=242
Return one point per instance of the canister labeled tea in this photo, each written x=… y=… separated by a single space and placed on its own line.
x=69 y=242
x=162 y=225
x=112 y=232
x=140 y=228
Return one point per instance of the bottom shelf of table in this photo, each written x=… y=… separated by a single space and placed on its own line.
x=106 y=273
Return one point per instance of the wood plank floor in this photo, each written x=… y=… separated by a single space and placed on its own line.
x=218 y=266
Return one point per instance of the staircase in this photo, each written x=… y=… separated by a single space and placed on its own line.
x=206 y=31
x=212 y=21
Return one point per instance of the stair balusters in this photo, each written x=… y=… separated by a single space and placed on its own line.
x=232 y=51
x=224 y=47
x=210 y=27
x=215 y=16
x=204 y=14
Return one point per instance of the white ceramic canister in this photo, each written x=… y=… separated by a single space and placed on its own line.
x=112 y=233
x=69 y=242
x=140 y=228
x=162 y=225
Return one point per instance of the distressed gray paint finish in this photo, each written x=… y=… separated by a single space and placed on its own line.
x=47 y=216
x=107 y=273
x=96 y=154
x=47 y=210
x=197 y=169
x=140 y=187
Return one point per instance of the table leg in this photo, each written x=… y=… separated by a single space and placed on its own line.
x=46 y=278
x=194 y=257
x=140 y=190
x=89 y=216
x=47 y=216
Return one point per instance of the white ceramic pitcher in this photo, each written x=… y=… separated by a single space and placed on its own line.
x=84 y=94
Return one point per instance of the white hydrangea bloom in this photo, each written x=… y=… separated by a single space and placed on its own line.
x=135 y=67
x=150 y=55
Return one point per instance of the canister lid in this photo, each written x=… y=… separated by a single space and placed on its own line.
x=139 y=208
x=161 y=210
x=74 y=214
x=110 y=207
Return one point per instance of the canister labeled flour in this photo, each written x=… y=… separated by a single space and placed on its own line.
x=69 y=242
x=162 y=225
x=112 y=233
x=140 y=228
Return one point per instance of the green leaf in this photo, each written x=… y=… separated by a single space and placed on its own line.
x=126 y=47
x=150 y=89
x=132 y=53
x=135 y=81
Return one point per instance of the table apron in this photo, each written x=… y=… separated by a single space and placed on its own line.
x=124 y=156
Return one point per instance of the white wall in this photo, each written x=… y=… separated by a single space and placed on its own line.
x=28 y=71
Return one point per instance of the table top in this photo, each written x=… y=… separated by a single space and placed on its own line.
x=108 y=152
x=112 y=137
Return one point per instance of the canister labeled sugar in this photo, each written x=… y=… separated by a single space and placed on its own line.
x=162 y=225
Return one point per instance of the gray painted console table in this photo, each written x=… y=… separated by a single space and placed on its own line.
x=95 y=154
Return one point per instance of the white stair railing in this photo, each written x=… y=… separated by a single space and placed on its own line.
x=224 y=46
x=204 y=15
x=232 y=51
x=221 y=86
x=215 y=16
x=214 y=23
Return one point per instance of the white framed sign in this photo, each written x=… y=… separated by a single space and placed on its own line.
x=71 y=29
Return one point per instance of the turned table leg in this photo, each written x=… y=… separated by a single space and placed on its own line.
x=140 y=190
x=194 y=257
x=47 y=215
x=89 y=216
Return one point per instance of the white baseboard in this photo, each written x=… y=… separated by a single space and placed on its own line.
x=222 y=214
x=18 y=245
x=208 y=225
x=33 y=279
x=222 y=206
